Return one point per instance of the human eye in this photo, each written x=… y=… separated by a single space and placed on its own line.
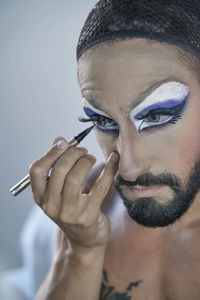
x=160 y=116
x=158 y=119
x=155 y=118
x=102 y=123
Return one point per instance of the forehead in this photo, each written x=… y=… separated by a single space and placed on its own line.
x=123 y=70
x=135 y=56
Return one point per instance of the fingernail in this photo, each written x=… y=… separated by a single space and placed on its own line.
x=61 y=144
x=115 y=157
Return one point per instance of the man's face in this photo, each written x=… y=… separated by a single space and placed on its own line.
x=146 y=106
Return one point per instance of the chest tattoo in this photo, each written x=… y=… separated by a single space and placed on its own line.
x=108 y=292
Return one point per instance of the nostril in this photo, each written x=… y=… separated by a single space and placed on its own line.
x=129 y=175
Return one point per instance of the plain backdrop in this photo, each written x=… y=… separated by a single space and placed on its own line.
x=40 y=98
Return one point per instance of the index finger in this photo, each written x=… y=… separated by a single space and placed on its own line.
x=39 y=170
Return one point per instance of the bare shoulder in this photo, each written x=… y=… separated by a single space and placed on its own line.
x=183 y=264
x=186 y=246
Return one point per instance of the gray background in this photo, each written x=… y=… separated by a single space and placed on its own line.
x=40 y=98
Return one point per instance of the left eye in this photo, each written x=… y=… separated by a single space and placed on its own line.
x=155 y=118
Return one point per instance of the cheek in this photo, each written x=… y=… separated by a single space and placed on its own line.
x=188 y=139
x=107 y=142
x=184 y=152
x=189 y=153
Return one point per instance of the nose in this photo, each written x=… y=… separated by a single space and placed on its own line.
x=133 y=154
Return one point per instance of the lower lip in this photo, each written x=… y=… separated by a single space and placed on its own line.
x=145 y=191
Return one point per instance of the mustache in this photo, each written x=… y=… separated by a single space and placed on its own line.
x=148 y=179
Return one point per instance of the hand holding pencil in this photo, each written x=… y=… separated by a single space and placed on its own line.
x=63 y=196
x=25 y=182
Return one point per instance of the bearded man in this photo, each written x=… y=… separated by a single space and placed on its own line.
x=131 y=232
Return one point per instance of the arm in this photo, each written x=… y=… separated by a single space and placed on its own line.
x=74 y=274
x=76 y=270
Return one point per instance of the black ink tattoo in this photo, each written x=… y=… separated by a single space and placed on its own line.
x=108 y=292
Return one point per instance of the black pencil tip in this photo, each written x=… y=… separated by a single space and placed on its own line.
x=83 y=134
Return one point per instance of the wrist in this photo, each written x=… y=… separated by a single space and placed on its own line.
x=79 y=255
x=86 y=254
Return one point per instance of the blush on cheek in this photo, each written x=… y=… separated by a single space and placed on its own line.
x=188 y=154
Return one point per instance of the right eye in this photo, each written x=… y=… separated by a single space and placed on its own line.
x=156 y=118
x=102 y=123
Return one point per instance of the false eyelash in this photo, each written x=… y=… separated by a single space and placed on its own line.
x=172 y=121
x=176 y=110
x=175 y=119
x=155 y=112
x=82 y=119
x=94 y=118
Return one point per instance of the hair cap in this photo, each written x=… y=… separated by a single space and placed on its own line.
x=176 y=22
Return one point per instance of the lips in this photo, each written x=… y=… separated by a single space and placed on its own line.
x=142 y=191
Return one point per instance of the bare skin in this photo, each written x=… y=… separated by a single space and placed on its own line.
x=98 y=236
x=113 y=76
x=162 y=261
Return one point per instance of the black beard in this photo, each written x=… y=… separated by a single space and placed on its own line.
x=147 y=211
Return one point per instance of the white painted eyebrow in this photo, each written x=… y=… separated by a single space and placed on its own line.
x=178 y=91
x=167 y=91
x=85 y=103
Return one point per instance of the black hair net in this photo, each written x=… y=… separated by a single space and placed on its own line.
x=176 y=22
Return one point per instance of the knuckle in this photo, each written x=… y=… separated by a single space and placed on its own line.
x=62 y=218
x=84 y=221
x=77 y=151
x=89 y=159
x=101 y=188
x=46 y=209
x=31 y=169
x=73 y=180
x=65 y=218
x=59 y=169
x=51 y=154
x=36 y=199
x=49 y=210
x=71 y=217
x=35 y=168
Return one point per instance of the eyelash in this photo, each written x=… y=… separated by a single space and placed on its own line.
x=99 y=119
x=173 y=120
x=173 y=113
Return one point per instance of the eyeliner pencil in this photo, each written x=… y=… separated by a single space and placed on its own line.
x=25 y=182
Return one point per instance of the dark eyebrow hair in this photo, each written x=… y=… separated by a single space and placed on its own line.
x=136 y=101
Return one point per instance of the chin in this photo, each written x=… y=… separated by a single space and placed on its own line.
x=148 y=212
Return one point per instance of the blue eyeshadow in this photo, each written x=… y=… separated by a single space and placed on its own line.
x=111 y=131
x=89 y=112
x=168 y=104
